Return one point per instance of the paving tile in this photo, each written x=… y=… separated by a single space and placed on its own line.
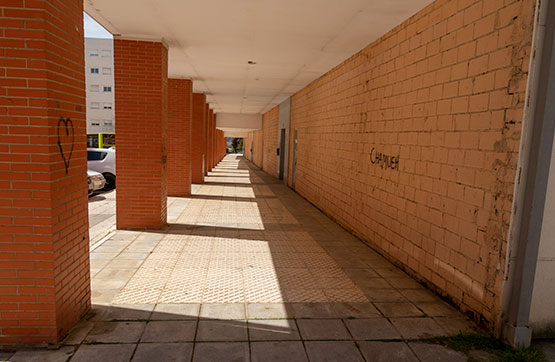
x=398 y=309
x=278 y=352
x=453 y=326
x=438 y=309
x=175 y=311
x=169 y=331
x=436 y=353
x=333 y=352
x=372 y=329
x=355 y=310
x=313 y=310
x=170 y=352
x=221 y=352
x=273 y=329
x=5 y=356
x=223 y=311
x=323 y=329
x=268 y=310
x=78 y=333
x=43 y=355
x=387 y=352
x=417 y=328
x=419 y=295
x=221 y=331
x=122 y=312
x=104 y=353
x=383 y=295
x=115 y=332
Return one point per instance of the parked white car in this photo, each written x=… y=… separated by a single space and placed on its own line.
x=103 y=160
x=96 y=181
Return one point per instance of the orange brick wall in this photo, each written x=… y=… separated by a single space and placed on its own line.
x=141 y=110
x=199 y=101
x=180 y=99
x=257 y=147
x=270 y=122
x=444 y=91
x=247 y=146
x=205 y=131
x=210 y=140
x=44 y=240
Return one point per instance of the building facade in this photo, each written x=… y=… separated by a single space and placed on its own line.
x=99 y=65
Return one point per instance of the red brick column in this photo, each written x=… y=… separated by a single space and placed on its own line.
x=210 y=140
x=141 y=94
x=180 y=99
x=44 y=236
x=214 y=141
x=199 y=101
x=206 y=138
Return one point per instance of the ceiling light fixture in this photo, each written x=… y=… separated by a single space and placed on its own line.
x=251 y=62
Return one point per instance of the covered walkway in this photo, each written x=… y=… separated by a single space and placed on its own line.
x=247 y=270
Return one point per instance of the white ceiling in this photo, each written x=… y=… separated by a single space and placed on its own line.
x=292 y=41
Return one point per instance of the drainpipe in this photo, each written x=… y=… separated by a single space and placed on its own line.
x=532 y=176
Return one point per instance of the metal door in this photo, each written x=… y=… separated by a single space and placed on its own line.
x=281 y=153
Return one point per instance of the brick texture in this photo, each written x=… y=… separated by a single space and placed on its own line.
x=258 y=147
x=209 y=140
x=444 y=91
x=141 y=110
x=180 y=99
x=270 y=122
x=199 y=101
x=44 y=240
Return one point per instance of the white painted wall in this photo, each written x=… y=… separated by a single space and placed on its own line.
x=99 y=120
x=542 y=312
x=239 y=121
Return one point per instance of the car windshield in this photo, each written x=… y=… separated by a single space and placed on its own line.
x=96 y=155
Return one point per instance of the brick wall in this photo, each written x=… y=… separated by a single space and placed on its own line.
x=270 y=122
x=247 y=146
x=257 y=147
x=141 y=96
x=209 y=140
x=444 y=92
x=180 y=99
x=44 y=240
x=199 y=101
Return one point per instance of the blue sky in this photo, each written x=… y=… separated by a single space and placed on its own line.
x=94 y=29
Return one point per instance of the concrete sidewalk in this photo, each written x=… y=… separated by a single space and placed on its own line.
x=249 y=271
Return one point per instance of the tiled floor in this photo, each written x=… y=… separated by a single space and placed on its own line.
x=249 y=271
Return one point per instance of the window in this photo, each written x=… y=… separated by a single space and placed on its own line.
x=106 y=53
x=107 y=89
x=107 y=123
x=107 y=105
x=96 y=155
x=107 y=71
x=95 y=88
x=95 y=124
x=94 y=70
x=95 y=105
x=93 y=53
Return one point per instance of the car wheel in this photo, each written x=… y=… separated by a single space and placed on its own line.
x=110 y=181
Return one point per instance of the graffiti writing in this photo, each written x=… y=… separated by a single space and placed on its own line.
x=383 y=160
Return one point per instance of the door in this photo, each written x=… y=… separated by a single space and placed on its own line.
x=281 y=153
x=294 y=173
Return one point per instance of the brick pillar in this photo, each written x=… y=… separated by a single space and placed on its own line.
x=141 y=95
x=205 y=136
x=210 y=135
x=199 y=101
x=180 y=99
x=214 y=141
x=44 y=229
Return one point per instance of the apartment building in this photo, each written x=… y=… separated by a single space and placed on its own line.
x=99 y=65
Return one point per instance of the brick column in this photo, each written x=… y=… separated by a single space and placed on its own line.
x=214 y=142
x=180 y=99
x=141 y=95
x=205 y=137
x=44 y=230
x=199 y=101
x=210 y=139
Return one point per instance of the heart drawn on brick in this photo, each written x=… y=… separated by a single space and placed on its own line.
x=65 y=132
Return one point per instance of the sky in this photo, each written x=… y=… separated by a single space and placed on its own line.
x=94 y=29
